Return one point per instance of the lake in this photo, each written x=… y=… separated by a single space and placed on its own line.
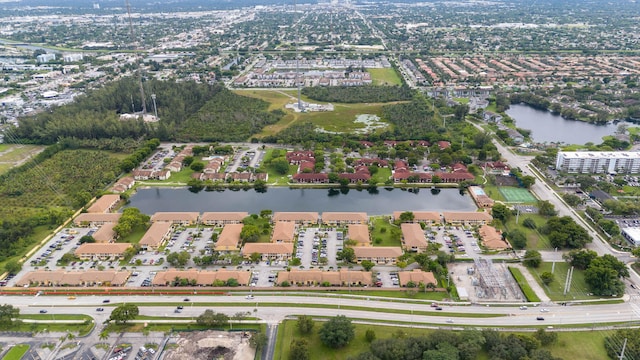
x=382 y=201
x=548 y=127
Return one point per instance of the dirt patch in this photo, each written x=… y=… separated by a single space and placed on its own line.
x=211 y=345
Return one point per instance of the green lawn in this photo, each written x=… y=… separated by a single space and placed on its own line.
x=524 y=285
x=383 y=174
x=535 y=240
x=463 y=101
x=493 y=192
x=386 y=237
x=16 y=352
x=134 y=237
x=555 y=290
x=387 y=76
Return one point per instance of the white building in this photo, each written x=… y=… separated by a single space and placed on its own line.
x=72 y=57
x=595 y=162
x=43 y=58
x=632 y=234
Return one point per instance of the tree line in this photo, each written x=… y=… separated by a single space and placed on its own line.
x=358 y=94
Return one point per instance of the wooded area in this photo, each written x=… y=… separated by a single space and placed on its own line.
x=358 y=94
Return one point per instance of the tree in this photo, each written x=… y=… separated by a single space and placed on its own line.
x=347 y=255
x=370 y=335
x=299 y=350
x=212 y=319
x=529 y=223
x=178 y=259
x=547 y=277
x=581 y=259
x=528 y=181
x=13 y=266
x=7 y=314
x=258 y=340
x=131 y=219
x=501 y=212
x=571 y=199
x=545 y=337
x=545 y=208
x=367 y=265
x=517 y=239
x=250 y=233
x=305 y=324
x=532 y=258
x=337 y=332
x=255 y=257
x=406 y=216
x=197 y=166
x=124 y=313
x=87 y=239
x=603 y=280
x=280 y=165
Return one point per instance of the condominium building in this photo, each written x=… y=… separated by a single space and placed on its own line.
x=594 y=162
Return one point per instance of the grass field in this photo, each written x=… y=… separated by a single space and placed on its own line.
x=514 y=194
x=386 y=237
x=11 y=155
x=584 y=345
x=535 y=240
x=16 y=352
x=578 y=290
x=387 y=76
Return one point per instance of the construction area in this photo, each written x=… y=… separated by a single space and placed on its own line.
x=486 y=281
x=207 y=345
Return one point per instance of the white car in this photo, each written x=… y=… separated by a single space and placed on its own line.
x=249 y=297
x=544 y=310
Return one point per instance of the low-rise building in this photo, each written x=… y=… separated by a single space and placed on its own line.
x=229 y=239
x=157 y=234
x=105 y=204
x=344 y=218
x=466 y=218
x=325 y=278
x=302 y=218
x=269 y=251
x=359 y=233
x=105 y=233
x=222 y=218
x=283 y=232
x=101 y=251
x=413 y=238
x=381 y=255
x=195 y=277
x=632 y=235
x=123 y=184
x=492 y=238
x=417 y=277
x=96 y=219
x=427 y=217
x=176 y=218
x=480 y=197
x=74 y=278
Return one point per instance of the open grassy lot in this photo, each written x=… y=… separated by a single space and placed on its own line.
x=555 y=290
x=385 y=233
x=13 y=155
x=588 y=345
x=387 y=76
x=535 y=240
x=16 y=352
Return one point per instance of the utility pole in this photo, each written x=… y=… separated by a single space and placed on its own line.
x=567 y=283
x=624 y=346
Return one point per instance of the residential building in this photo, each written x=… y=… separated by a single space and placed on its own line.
x=427 y=217
x=381 y=255
x=222 y=218
x=269 y=251
x=200 y=277
x=157 y=234
x=417 y=277
x=344 y=218
x=343 y=277
x=283 y=232
x=123 y=184
x=595 y=162
x=105 y=233
x=105 y=204
x=311 y=178
x=492 y=239
x=101 y=251
x=74 y=278
x=413 y=238
x=359 y=233
x=44 y=58
x=478 y=195
x=176 y=218
x=229 y=239
x=96 y=219
x=302 y=218
x=467 y=218
x=632 y=235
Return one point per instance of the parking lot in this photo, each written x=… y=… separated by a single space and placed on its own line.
x=458 y=241
x=315 y=246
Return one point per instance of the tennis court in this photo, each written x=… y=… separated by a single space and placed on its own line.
x=514 y=194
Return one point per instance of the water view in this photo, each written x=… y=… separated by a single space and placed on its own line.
x=378 y=202
x=548 y=127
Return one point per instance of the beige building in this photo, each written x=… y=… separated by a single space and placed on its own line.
x=96 y=219
x=229 y=239
x=74 y=278
x=222 y=218
x=467 y=218
x=200 y=277
x=381 y=255
x=427 y=217
x=105 y=233
x=492 y=238
x=359 y=233
x=101 y=251
x=176 y=218
x=344 y=218
x=416 y=276
x=302 y=218
x=105 y=204
x=269 y=251
x=283 y=232
x=157 y=234
x=318 y=277
x=413 y=237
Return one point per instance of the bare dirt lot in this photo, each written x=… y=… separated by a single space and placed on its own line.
x=207 y=345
